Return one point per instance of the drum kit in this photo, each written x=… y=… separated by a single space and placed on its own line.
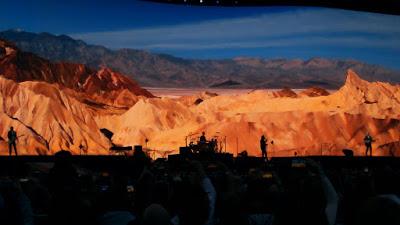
x=217 y=143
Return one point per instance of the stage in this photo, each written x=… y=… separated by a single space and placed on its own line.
x=123 y=164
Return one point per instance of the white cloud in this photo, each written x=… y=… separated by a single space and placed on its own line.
x=305 y=27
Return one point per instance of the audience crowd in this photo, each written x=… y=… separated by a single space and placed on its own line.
x=191 y=192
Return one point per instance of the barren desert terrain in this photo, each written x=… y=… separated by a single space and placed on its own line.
x=303 y=124
x=55 y=106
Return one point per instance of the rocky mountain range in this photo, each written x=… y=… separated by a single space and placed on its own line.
x=54 y=106
x=161 y=70
x=102 y=86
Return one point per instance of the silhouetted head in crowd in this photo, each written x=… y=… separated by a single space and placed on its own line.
x=62 y=158
x=382 y=210
x=144 y=191
x=64 y=185
x=387 y=181
x=231 y=209
x=192 y=205
x=113 y=194
x=156 y=215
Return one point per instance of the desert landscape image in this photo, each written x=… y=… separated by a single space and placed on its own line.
x=80 y=93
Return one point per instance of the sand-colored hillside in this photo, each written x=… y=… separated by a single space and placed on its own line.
x=54 y=106
x=47 y=120
x=306 y=125
x=50 y=117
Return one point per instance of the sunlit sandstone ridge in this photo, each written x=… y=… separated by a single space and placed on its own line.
x=306 y=125
x=47 y=119
x=53 y=106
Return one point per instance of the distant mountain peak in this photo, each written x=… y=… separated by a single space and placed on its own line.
x=352 y=78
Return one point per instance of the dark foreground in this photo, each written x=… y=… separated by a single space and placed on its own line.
x=213 y=189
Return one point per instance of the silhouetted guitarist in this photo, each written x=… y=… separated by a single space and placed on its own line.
x=263 y=147
x=203 y=139
x=12 y=139
x=368 y=144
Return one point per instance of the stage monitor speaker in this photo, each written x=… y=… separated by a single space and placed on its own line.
x=138 y=148
x=348 y=152
x=121 y=148
x=184 y=150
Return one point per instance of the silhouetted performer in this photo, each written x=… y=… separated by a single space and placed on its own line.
x=368 y=144
x=12 y=138
x=213 y=145
x=203 y=139
x=263 y=147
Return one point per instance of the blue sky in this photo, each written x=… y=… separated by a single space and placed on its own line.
x=215 y=32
